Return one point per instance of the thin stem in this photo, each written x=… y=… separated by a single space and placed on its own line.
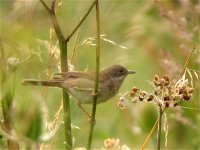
x=74 y=47
x=151 y=132
x=187 y=61
x=159 y=127
x=149 y=135
x=97 y=77
x=45 y=6
x=81 y=21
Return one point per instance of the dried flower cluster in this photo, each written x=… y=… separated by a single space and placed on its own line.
x=165 y=93
x=121 y=102
x=109 y=144
x=114 y=144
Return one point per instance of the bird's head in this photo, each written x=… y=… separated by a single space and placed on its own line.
x=117 y=72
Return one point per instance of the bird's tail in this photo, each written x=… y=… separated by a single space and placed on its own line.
x=41 y=83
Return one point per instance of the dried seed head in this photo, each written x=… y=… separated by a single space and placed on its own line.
x=166 y=83
x=180 y=91
x=135 y=89
x=132 y=94
x=175 y=104
x=166 y=98
x=141 y=98
x=186 y=97
x=142 y=93
x=162 y=81
x=166 y=104
x=156 y=78
x=121 y=104
x=166 y=78
x=151 y=97
x=122 y=99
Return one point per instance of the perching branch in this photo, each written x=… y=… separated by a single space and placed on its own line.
x=95 y=93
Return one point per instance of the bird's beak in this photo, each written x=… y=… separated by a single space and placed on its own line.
x=131 y=72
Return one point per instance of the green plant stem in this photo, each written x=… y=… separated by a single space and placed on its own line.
x=159 y=127
x=64 y=68
x=97 y=78
x=81 y=21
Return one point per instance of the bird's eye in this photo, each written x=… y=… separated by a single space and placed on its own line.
x=121 y=71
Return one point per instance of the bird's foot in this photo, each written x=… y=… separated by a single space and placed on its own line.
x=95 y=93
x=92 y=121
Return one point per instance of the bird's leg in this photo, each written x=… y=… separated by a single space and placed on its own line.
x=95 y=93
x=80 y=106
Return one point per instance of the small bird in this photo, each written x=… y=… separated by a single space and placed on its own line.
x=81 y=84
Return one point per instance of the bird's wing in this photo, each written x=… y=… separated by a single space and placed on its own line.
x=80 y=84
x=76 y=74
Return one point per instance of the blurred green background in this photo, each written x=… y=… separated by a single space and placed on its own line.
x=158 y=36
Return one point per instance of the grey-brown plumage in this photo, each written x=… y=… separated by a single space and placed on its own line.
x=80 y=84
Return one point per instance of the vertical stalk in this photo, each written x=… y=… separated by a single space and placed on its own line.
x=66 y=101
x=159 y=128
x=95 y=93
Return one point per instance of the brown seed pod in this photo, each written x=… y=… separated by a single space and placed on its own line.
x=151 y=97
x=186 y=97
x=175 y=104
x=122 y=99
x=121 y=104
x=141 y=98
x=166 y=98
x=156 y=78
x=166 y=83
x=135 y=89
x=166 y=78
x=142 y=93
x=180 y=91
x=132 y=94
x=167 y=104
x=162 y=81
